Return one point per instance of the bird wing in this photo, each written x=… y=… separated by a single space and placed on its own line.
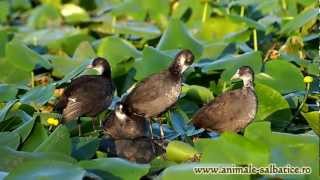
x=228 y=111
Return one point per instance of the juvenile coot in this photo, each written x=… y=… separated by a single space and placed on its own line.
x=87 y=95
x=231 y=111
x=155 y=94
x=120 y=126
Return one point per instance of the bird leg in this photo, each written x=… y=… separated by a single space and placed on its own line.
x=79 y=127
x=94 y=127
x=161 y=128
x=150 y=128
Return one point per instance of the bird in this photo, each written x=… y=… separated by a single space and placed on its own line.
x=233 y=110
x=155 y=94
x=87 y=95
x=120 y=126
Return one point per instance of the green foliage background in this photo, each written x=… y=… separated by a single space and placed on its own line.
x=45 y=43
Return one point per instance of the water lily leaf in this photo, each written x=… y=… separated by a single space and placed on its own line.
x=43 y=16
x=232 y=63
x=233 y=149
x=10 y=158
x=37 y=135
x=12 y=74
x=58 y=141
x=20 y=4
x=273 y=76
x=200 y=94
x=84 y=52
x=4 y=11
x=213 y=50
x=177 y=37
x=187 y=172
x=153 y=61
x=74 y=14
x=10 y=139
x=313 y=119
x=48 y=169
x=140 y=29
x=84 y=147
x=110 y=168
x=4 y=111
x=25 y=129
x=117 y=51
x=299 y=20
x=272 y=107
x=38 y=96
x=178 y=151
x=249 y=22
x=296 y=150
x=24 y=58
x=7 y=92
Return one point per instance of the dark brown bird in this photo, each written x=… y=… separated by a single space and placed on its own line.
x=120 y=126
x=158 y=92
x=87 y=95
x=231 y=111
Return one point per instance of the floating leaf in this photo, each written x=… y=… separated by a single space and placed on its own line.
x=84 y=147
x=38 y=96
x=300 y=20
x=35 y=138
x=7 y=92
x=110 y=168
x=58 y=141
x=25 y=129
x=273 y=76
x=313 y=119
x=43 y=16
x=230 y=148
x=178 y=151
x=177 y=37
x=10 y=158
x=74 y=14
x=272 y=107
x=47 y=169
x=153 y=61
x=197 y=93
x=10 y=139
x=4 y=111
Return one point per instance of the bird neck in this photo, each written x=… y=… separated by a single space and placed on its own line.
x=175 y=70
x=248 y=83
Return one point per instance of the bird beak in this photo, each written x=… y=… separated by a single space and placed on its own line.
x=235 y=76
x=89 y=66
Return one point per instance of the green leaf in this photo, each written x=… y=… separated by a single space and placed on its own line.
x=84 y=147
x=20 y=4
x=44 y=16
x=249 y=22
x=36 y=137
x=10 y=158
x=58 y=141
x=117 y=51
x=4 y=111
x=38 y=96
x=110 y=168
x=299 y=20
x=177 y=37
x=153 y=61
x=313 y=119
x=213 y=50
x=178 y=151
x=272 y=107
x=197 y=93
x=47 y=169
x=140 y=29
x=187 y=172
x=232 y=63
x=84 y=52
x=25 y=129
x=296 y=150
x=12 y=74
x=10 y=139
x=233 y=149
x=4 y=11
x=273 y=76
x=7 y=92
x=22 y=57
x=74 y=14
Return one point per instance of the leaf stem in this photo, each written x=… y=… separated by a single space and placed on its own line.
x=255 y=39
x=284 y=4
x=242 y=11
x=32 y=79
x=205 y=11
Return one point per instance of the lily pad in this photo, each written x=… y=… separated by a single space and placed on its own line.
x=178 y=151
x=7 y=92
x=84 y=147
x=10 y=139
x=313 y=119
x=37 y=135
